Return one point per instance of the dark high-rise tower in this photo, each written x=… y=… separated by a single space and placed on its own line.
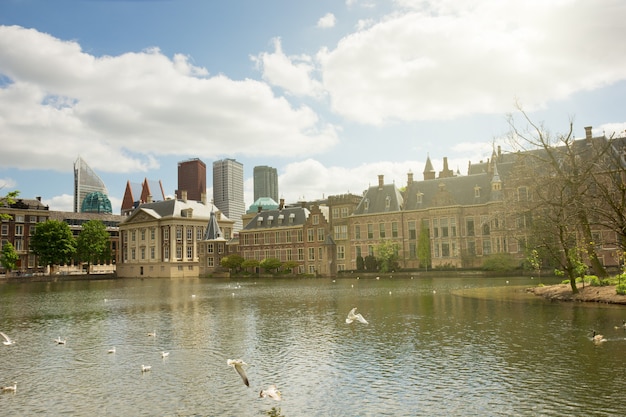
x=265 y=182
x=228 y=190
x=191 y=178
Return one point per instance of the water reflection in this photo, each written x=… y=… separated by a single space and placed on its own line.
x=432 y=347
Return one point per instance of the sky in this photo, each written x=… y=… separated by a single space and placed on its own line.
x=331 y=93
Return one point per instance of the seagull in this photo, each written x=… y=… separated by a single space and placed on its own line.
x=112 y=350
x=352 y=315
x=60 y=341
x=152 y=334
x=10 y=388
x=165 y=354
x=271 y=392
x=597 y=338
x=145 y=368
x=7 y=340
x=238 y=364
x=623 y=326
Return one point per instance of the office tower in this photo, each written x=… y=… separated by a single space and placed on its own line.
x=191 y=178
x=85 y=182
x=265 y=182
x=228 y=190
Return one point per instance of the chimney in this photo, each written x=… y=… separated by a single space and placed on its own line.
x=499 y=151
x=588 y=134
x=303 y=204
x=282 y=204
x=259 y=209
x=203 y=198
x=381 y=181
x=409 y=179
x=39 y=198
x=183 y=195
x=149 y=198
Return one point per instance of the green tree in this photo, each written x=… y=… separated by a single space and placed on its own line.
x=250 y=263
x=423 y=248
x=360 y=263
x=290 y=266
x=270 y=264
x=232 y=262
x=7 y=200
x=9 y=257
x=388 y=255
x=53 y=243
x=499 y=262
x=92 y=244
x=371 y=264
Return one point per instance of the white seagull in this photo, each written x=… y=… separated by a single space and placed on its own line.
x=152 y=334
x=7 y=340
x=271 y=392
x=60 y=341
x=145 y=368
x=352 y=315
x=112 y=350
x=10 y=388
x=238 y=364
x=165 y=354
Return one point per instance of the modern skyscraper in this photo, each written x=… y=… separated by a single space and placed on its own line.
x=191 y=178
x=265 y=182
x=85 y=182
x=228 y=190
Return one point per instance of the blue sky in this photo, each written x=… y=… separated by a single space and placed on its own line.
x=331 y=93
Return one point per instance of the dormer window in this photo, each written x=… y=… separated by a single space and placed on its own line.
x=292 y=216
x=477 y=191
x=419 y=197
x=269 y=219
x=281 y=217
x=387 y=202
x=366 y=204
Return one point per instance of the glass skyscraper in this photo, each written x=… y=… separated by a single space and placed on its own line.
x=85 y=182
x=265 y=182
x=228 y=190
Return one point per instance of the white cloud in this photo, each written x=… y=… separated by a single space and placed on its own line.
x=327 y=21
x=65 y=202
x=6 y=185
x=122 y=112
x=611 y=130
x=441 y=60
x=292 y=73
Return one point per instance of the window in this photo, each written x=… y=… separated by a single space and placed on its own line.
x=394 y=229
x=300 y=254
x=469 y=226
x=210 y=261
x=143 y=253
x=189 y=234
x=152 y=233
x=288 y=236
x=132 y=254
x=310 y=235
x=166 y=253
x=453 y=227
x=19 y=218
x=366 y=204
x=444 y=227
x=152 y=252
x=320 y=234
x=311 y=254
x=341 y=252
x=344 y=212
x=289 y=255
x=419 y=197
x=445 y=249
x=5 y=230
x=320 y=252
x=335 y=213
x=166 y=233
x=381 y=230
x=179 y=252
x=412 y=250
x=256 y=239
x=18 y=245
x=199 y=233
x=209 y=248
x=357 y=231
x=477 y=191
x=485 y=223
x=189 y=252
x=33 y=219
x=370 y=231
x=311 y=269
x=412 y=231
x=143 y=234
x=387 y=203
x=133 y=236
x=316 y=219
x=341 y=232
x=486 y=247
x=179 y=233
x=300 y=233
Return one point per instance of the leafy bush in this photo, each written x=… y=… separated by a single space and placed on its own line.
x=620 y=289
x=500 y=262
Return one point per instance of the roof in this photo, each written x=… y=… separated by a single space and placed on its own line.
x=213 y=231
x=176 y=208
x=289 y=216
x=380 y=199
x=266 y=203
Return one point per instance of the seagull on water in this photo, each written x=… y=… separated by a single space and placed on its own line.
x=145 y=368
x=112 y=350
x=10 y=388
x=7 y=340
x=152 y=333
x=165 y=354
x=352 y=315
x=238 y=364
x=623 y=326
x=271 y=392
x=60 y=341
x=597 y=338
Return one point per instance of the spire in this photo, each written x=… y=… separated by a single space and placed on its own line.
x=213 y=231
x=429 y=171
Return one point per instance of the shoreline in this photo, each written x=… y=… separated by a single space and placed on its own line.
x=589 y=294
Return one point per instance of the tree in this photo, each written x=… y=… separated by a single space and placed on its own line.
x=388 y=255
x=360 y=263
x=423 y=248
x=9 y=257
x=250 y=263
x=7 y=200
x=232 y=262
x=563 y=200
x=290 y=266
x=53 y=243
x=371 y=264
x=92 y=244
x=270 y=264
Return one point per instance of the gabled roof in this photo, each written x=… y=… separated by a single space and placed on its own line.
x=176 y=208
x=213 y=231
x=380 y=199
x=465 y=190
x=288 y=216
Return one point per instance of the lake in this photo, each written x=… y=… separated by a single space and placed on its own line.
x=432 y=347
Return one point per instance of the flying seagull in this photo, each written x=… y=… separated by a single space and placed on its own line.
x=238 y=364
x=271 y=392
x=7 y=340
x=352 y=315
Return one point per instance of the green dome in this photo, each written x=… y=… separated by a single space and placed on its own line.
x=96 y=202
x=266 y=203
